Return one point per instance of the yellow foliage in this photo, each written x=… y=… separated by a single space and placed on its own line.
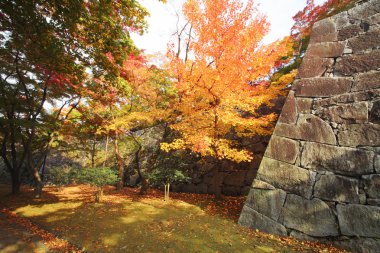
x=223 y=82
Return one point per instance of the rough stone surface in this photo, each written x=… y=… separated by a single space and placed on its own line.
x=321 y=87
x=252 y=219
x=258 y=184
x=359 y=245
x=341 y=20
x=312 y=217
x=373 y=202
x=289 y=111
x=359 y=220
x=349 y=32
x=372 y=186
x=302 y=236
x=298 y=181
x=359 y=135
x=347 y=98
x=365 y=10
x=286 y=130
x=369 y=80
x=267 y=202
x=369 y=40
x=337 y=188
x=350 y=113
x=352 y=64
x=312 y=128
x=324 y=155
x=304 y=105
x=324 y=31
x=374 y=115
x=377 y=163
x=325 y=50
x=339 y=160
x=314 y=67
x=282 y=149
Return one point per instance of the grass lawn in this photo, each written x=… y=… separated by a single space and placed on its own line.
x=127 y=222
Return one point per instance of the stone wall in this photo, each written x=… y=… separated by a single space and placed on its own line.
x=320 y=175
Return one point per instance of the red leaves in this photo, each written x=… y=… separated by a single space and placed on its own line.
x=305 y=19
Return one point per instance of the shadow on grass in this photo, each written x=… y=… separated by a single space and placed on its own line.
x=135 y=224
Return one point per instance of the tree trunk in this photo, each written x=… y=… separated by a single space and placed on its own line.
x=144 y=182
x=106 y=154
x=16 y=184
x=99 y=195
x=38 y=182
x=120 y=164
x=217 y=180
x=93 y=153
x=144 y=186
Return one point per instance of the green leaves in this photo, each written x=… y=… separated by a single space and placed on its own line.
x=96 y=176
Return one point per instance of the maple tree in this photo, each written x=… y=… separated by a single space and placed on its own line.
x=223 y=79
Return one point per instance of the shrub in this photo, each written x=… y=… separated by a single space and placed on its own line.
x=168 y=174
x=60 y=176
x=98 y=177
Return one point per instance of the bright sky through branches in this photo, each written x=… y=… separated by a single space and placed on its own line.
x=162 y=22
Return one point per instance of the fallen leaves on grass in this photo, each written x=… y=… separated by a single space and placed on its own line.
x=52 y=242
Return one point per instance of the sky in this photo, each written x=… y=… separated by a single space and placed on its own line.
x=162 y=21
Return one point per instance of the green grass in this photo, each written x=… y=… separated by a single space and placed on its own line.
x=131 y=224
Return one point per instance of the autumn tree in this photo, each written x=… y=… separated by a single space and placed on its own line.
x=222 y=81
x=45 y=47
x=134 y=97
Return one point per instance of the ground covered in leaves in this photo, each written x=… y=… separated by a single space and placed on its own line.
x=68 y=220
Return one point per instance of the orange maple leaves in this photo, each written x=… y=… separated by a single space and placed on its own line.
x=223 y=81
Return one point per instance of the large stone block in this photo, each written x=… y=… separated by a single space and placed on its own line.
x=337 y=188
x=352 y=64
x=365 y=10
x=267 y=202
x=304 y=105
x=339 y=160
x=286 y=130
x=374 y=115
x=368 y=40
x=314 y=67
x=312 y=128
x=309 y=128
x=341 y=20
x=258 y=184
x=287 y=177
x=377 y=163
x=349 y=32
x=350 y=113
x=372 y=186
x=325 y=50
x=359 y=220
x=255 y=220
x=312 y=217
x=359 y=245
x=366 y=81
x=347 y=98
x=289 y=111
x=282 y=149
x=321 y=87
x=359 y=135
x=324 y=31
